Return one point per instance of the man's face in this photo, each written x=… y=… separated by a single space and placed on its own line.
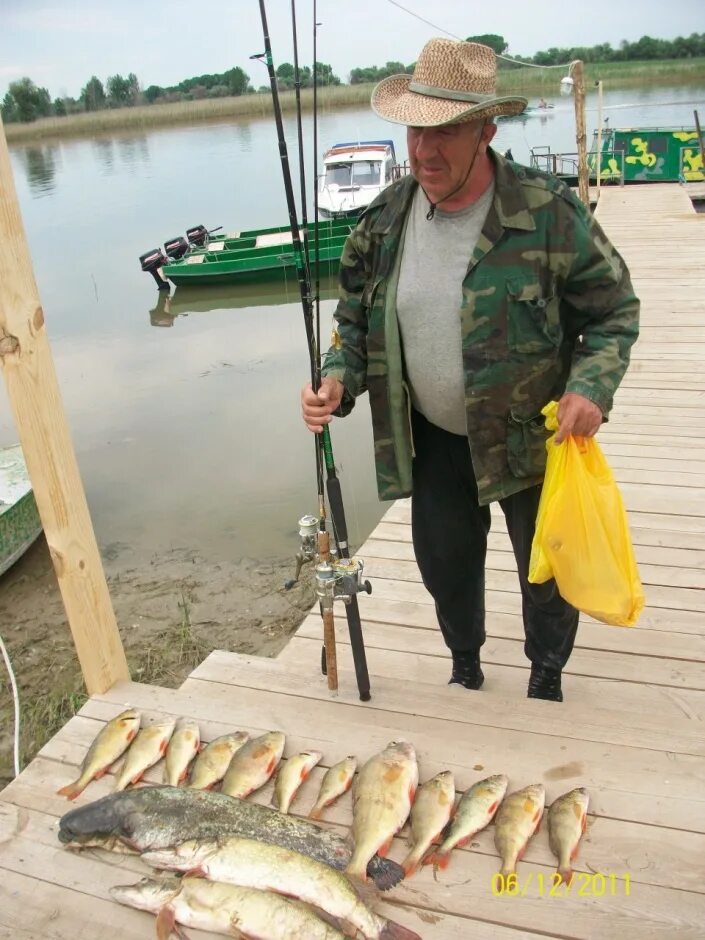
x=440 y=156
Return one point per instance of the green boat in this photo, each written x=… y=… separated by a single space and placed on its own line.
x=245 y=257
x=632 y=155
x=19 y=519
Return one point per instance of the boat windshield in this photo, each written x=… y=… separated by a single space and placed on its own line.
x=358 y=173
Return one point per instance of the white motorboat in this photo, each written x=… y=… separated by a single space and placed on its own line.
x=354 y=173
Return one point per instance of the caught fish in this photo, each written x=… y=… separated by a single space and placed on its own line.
x=110 y=743
x=518 y=819
x=182 y=749
x=158 y=817
x=430 y=813
x=253 y=764
x=567 y=821
x=475 y=810
x=212 y=763
x=291 y=776
x=224 y=909
x=382 y=798
x=254 y=864
x=148 y=747
x=337 y=780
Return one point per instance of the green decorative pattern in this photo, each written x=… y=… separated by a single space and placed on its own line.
x=643 y=154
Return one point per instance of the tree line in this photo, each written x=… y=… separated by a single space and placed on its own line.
x=26 y=101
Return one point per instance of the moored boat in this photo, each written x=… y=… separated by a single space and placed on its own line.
x=19 y=518
x=354 y=174
x=243 y=257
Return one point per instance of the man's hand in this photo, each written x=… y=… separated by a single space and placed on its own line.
x=578 y=416
x=317 y=407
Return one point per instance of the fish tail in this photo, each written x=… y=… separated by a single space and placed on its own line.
x=394 y=931
x=72 y=790
x=316 y=812
x=385 y=872
x=411 y=863
x=566 y=874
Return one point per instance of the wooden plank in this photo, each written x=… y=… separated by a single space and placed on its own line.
x=600 y=664
x=508 y=625
x=503 y=596
x=655 y=580
x=35 y=400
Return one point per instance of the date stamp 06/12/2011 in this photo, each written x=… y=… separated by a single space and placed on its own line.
x=582 y=884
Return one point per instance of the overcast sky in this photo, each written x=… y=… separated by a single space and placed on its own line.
x=60 y=44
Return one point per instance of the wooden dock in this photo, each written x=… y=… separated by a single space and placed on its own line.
x=631 y=729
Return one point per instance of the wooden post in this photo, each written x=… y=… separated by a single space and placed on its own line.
x=578 y=76
x=35 y=400
x=700 y=138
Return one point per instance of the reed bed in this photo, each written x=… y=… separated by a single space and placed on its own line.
x=526 y=81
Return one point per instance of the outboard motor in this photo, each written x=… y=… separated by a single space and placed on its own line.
x=176 y=247
x=198 y=235
x=152 y=261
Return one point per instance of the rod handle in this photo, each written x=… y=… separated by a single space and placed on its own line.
x=329 y=644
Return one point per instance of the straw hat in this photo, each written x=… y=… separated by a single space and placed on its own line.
x=453 y=82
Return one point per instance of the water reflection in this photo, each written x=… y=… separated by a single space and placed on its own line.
x=133 y=150
x=244 y=137
x=186 y=300
x=40 y=164
x=104 y=149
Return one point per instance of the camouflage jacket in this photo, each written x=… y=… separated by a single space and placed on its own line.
x=547 y=307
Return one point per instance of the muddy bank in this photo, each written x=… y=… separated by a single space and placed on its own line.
x=172 y=611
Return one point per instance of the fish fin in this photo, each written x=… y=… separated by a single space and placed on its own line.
x=386 y=873
x=71 y=790
x=394 y=931
x=412 y=793
x=100 y=773
x=131 y=736
x=316 y=812
x=583 y=824
x=182 y=776
x=383 y=850
x=166 y=924
x=439 y=860
x=304 y=772
x=271 y=765
x=137 y=778
x=574 y=853
x=163 y=745
x=566 y=875
x=492 y=809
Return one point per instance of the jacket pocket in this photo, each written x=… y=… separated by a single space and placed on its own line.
x=533 y=317
x=526 y=445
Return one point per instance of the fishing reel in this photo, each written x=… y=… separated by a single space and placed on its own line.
x=339 y=579
x=336 y=578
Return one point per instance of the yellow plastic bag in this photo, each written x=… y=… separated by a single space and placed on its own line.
x=582 y=535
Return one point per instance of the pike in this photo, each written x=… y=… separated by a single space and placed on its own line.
x=110 y=743
x=291 y=776
x=476 y=809
x=182 y=749
x=148 y=747
x=253 y=765
x=337 y=780
x=224 y=909
x=567 y=821
x=430 y=813
x=518 y=819
x=382 y=798
x=254 y=864
x=160 y=817
x=212 y=763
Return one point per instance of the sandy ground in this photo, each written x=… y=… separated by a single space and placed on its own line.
x=171 y=612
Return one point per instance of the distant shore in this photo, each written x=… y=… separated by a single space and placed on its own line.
x=530 y=82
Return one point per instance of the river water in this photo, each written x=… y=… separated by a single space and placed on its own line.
x=186 y=420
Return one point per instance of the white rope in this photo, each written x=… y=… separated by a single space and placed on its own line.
x=561 y=65
x=16 y=703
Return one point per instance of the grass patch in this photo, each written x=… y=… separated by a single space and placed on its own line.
x=46 y=714
x=172 y=653
x=525 y=81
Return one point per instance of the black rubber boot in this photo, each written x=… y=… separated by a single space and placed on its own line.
x=545 y=683
x=466 y=670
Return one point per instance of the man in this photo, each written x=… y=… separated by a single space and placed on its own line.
x=472 y=293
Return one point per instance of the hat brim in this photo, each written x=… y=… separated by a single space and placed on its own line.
x=392 y=101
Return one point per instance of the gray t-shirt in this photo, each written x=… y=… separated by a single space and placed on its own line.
x=434 y=262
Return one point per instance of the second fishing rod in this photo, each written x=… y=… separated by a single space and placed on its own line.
x=341 y=577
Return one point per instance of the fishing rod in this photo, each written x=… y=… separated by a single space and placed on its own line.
x=336 y=577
